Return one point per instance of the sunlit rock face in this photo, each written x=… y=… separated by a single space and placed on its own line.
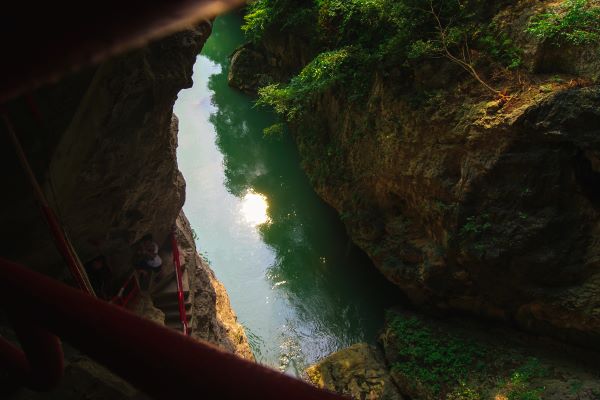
x=358 y=371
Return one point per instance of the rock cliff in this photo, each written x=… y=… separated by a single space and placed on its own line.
x=102 y=143
x=466 y=202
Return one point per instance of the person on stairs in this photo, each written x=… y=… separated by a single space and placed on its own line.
x=148 y=262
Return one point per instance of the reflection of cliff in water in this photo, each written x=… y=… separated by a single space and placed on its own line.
x=331 y=284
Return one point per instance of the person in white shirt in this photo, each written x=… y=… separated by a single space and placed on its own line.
x=148 y=261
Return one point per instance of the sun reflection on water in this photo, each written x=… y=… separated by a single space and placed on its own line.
x=254 y=208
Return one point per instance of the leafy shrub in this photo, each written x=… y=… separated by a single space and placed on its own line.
x=500 y=47
x=576 y=22
x=274 y=130
x=323 y=71
x=259 y=16
x=264 y=15
x=359 y=38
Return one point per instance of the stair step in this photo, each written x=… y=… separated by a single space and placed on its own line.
x=174 y=305
x=171 y=284
x=165 y=299
x=174 y=325
x=165 y=280
x=173 y=316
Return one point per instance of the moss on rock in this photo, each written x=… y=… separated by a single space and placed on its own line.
x=358 y=371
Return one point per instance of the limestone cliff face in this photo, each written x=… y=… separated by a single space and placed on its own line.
x=106 y=156
x=115 y=169
x=468 y=203
x=108 y=166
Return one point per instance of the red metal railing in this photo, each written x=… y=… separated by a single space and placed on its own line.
x=161 y=362
x=129 y=289
x=179 y=277
x=60 y=239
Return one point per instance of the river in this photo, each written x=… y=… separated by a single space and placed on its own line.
x=298 y=285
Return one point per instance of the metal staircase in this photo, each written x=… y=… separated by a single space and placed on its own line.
x=165 y=293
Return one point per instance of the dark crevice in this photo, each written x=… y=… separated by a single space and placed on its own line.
x=587 y=178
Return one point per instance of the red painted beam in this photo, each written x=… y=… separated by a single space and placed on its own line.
x=160 y=361
x=179 y=277
x=62 y=244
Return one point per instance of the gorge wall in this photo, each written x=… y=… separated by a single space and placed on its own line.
x=467 y=201
x=102 y=143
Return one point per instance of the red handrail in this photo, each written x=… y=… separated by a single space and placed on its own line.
x=62 y=243
x=161 y=362
x=178 y=275
x=122 y=298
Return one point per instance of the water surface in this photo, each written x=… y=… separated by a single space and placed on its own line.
x=297 y=284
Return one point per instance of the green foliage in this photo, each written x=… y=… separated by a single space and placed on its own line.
x=528 y=371
x=259 y=16
x=455 y=366
x=344 y=22
x=392 y=31
x=433 y=360
x=520 y=381
x=475 y=225
x=264 y=15
x=500 y=47
x=356 y=39
x=576 y=22
x=274 y=130
x=464 y=392
x=289 y=100
x=575 y=387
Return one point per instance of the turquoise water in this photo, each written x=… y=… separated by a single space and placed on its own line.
x=296 y=282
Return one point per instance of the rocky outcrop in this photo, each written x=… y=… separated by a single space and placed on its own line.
x=358 y=371
x=495 y=216
x=254 y=65
x=467 y=202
